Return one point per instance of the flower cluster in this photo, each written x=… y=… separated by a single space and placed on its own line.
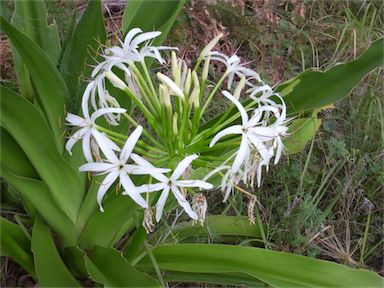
x=174 y=133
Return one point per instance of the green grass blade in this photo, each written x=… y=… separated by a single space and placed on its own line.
x=26 y=125
x=50 y=268
x=108 y=267
x=278 y=269
x=314 y=89
x=50 y=87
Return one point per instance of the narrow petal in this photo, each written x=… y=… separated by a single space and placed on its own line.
x=176 y=90
x=103 y=111
x=144 y=37
x=105 y=185
x=242 y=153
x=161 y=203
x=279 y=150
x=130 y=144
x=141 y=161
x=75 y=120
x=194 y=183
x=130 y=190
x=74 y=138
x=84 y=101
x=104 y=146
x=182 y=166
x=143 y=170
x=264 y=133
x=96 y=167
x=258 y=112
x=235 y=129
x=86 y=144
x=243 y=113
x=132 y=33
x=261 y=148
x=259 y=171
x=147 y=188
x=183 y=202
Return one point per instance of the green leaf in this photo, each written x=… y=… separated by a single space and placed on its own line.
x=103 y=226
x=314 y=89
x=216 y=225
x=108 y=267
x=84 y=42
x=301 y=132
x=50 y=87
x=30 y=18
x=278 y=269
x=50 y=268
x=14 y=158
x=151 y=15
x=14 y=243
x=26 y=125
x=37 y=193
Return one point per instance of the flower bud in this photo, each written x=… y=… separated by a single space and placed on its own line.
x=115 y=81
x=165 y=98
x=174 y=88
x=239 y=88
x=176 y=71
x=195 y=95
x=187 y=84
x=204 y=74
x=174 y=124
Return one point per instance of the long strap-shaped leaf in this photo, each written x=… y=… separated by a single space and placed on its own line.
x=313 y=89
x=107 y=266
x=83 y=44
x=51 y=89
x=278 y=269
x=37 y=193
x=50 y=268
x=26 y=125
x=14 y=243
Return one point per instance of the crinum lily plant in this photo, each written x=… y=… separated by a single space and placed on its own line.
x=172 y=133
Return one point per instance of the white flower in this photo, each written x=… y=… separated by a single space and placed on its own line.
x=118 y=168
x=251 y=133
x=172 y=184
x=88 y=129
x=233 y=67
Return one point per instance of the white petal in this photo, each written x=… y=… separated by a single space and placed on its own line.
x=243 y=113
x=280 y=147
x=144 y=37
x=74 y=138
x=103 y=111
x=161 y=203
x=230 y=80
x=131 y=191
x=182 y=166
x=147 y=188
x=183 y=202
x=259 y=170
x=84 y=101
x=142 y=170
x=75 y=120
x=236 y=129
x=132 y=33
x=264 y=133
x=104 y=186
x=194 y=183
x=86 y=144
x=130 y=144
x=96 y=167
x=157 y=175
x=261 y=148
x=242 y=153
x=258 y=112
x=105 y=146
